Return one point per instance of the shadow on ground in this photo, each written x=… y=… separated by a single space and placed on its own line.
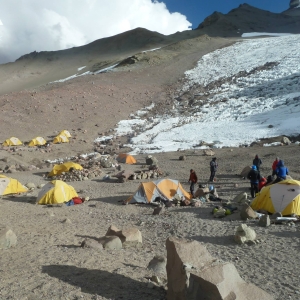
x=223 y=240
x=103 y=283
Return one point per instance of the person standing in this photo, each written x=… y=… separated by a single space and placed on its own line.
x=193 y=180
x=274 y=166
x=281 y=171
x=213 y=169
x=257 y=162
x=254 y=178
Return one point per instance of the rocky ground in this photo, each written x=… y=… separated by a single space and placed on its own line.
x=49 y=263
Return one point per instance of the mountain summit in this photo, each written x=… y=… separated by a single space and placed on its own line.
x=247 y=18
x=294 y=9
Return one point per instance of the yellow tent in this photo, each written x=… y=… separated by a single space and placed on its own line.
x=11 y=186
x=166 y=188
x=65 y=133
x=13 y=141
x=37 y=141
x=126 y=158
x=55 y=192
x=283 y=197
x=60 y=139
x=65 y=167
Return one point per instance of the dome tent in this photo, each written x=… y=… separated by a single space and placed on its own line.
x=148 y=191
x=37 y=141
x=11 y=186
x=56 y=192
x=126 y=159
x=65 y=167
x=283 y=197
x=13 y=141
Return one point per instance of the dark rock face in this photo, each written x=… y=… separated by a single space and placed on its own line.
x=294 y=3
x=240 y=20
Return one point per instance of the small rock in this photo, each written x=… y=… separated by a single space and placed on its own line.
x=264 y=221
x=89 y=243
x=8 y=238
x=158 y=265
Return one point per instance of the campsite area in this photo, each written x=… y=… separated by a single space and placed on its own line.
x=49 y=262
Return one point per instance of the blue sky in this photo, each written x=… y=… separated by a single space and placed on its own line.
x=197 y=10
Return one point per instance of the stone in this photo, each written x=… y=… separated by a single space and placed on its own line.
x=182 y=157
x=208 y=152
x=128 y=236
x=111 y=242
x=285 y=141
x=40 y=185
x=247 y=212
x=244 y=234
x=241 y=198
x=8 y=238
x=113 y=230
x=30 y=185
x=194 y=274
x=158 y=265
x=245 y=171
x=158 y=210
x=155 y=279
x=67 y=221
x=264 y=221
x=222 y=282
x=276 y=215
x=93 y=244
x=151 y=160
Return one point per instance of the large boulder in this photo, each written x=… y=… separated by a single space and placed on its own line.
x=8 y=238
x=244 y=234
x=247 y=212
x=151 y=160
x=245 y=171
x=193 y=274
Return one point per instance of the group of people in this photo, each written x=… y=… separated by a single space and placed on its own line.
x=257 y=181
x=194 y=179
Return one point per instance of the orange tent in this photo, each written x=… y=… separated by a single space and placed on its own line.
x=126 y=159
x=166 y=188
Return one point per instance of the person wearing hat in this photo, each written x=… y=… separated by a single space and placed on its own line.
x=193 y=180
x=213 y=169
x=254 y=178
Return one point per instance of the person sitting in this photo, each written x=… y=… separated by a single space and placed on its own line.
x=270 y=180
x=281 y=171
x=262 y=183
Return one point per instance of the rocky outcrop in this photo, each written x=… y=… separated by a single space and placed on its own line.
x=194 y=274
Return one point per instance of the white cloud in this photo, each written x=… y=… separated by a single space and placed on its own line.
x=45 y=25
